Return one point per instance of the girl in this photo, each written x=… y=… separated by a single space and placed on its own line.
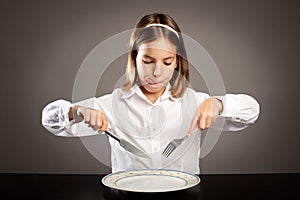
x=154 y=104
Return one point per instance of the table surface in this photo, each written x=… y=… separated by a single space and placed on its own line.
x=248 y=186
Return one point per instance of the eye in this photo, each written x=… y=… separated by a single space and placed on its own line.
x=166 y=63
x=147 y=62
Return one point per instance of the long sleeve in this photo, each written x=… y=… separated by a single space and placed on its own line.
x=239 y=110
x=55 y=119
x=55 y=116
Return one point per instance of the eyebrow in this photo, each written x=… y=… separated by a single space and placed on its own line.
x=155 y=59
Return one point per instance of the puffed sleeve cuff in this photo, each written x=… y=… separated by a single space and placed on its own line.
x=55 y=116
x=239 y=108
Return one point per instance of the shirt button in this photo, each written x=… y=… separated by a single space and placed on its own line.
x=237 y=119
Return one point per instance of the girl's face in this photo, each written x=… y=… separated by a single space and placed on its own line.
x=156 y=62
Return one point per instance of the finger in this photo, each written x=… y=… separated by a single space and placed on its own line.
x=208 y=122
x=99 y=121
x=93 y=118
x=202 y=122
x=96 y=126
x=193 y=123
x=87 y=116
x=104 y=124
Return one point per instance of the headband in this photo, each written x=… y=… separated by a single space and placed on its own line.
x=165 y=26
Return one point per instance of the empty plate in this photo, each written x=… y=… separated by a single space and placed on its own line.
x=150 y=180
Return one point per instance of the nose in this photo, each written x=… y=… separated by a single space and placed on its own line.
x=157 y=71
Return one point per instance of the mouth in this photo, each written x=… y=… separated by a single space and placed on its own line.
x=151 y=82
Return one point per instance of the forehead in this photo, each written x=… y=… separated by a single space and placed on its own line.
x=160 y=47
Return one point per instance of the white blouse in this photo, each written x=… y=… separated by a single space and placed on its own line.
x=151 y=126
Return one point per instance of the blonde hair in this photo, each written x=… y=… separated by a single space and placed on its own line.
x=144 y=34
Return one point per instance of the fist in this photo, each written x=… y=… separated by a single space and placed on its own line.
x=206 y=114
x=94 y=118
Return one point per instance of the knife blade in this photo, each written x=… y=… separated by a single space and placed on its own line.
x=127 y=145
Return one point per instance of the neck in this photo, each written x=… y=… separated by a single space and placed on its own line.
x=152 y=96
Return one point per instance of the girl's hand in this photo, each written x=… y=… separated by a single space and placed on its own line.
x=95 y=118
x=206 y=114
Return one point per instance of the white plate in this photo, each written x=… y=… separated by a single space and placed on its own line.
x=150 y=180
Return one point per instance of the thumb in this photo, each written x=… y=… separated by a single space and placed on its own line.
x=79 y=113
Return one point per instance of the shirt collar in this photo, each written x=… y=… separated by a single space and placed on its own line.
x=135 y=89
x=130 y=92
x=167 y=94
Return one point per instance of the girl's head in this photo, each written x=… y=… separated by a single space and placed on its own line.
x=157 y=56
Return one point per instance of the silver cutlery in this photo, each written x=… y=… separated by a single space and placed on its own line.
x=172 y=146
x=126 y=145
x=123 y=143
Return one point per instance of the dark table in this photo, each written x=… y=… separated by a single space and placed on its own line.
x=260 y=186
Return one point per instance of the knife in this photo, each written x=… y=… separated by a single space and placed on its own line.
x=123 y=143
x=127 y=145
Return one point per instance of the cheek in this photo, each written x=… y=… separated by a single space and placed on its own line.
x=168 y=72
x=141 y=70
x=145 y=70
x=142 y=73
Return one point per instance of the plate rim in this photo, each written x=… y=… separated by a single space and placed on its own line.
x=198 y=180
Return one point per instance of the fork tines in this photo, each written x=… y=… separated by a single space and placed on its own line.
x=168 y=150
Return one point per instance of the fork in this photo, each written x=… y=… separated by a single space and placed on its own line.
x=172 y=146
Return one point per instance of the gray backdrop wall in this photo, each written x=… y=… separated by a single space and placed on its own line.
x=255 y=44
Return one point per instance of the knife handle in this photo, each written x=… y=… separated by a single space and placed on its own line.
x=111 y=135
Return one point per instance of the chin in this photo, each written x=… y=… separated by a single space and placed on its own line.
x=154 y=88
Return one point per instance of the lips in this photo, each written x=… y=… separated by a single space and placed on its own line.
x=151 y=82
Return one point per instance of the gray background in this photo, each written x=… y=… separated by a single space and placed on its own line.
x=255 y=44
